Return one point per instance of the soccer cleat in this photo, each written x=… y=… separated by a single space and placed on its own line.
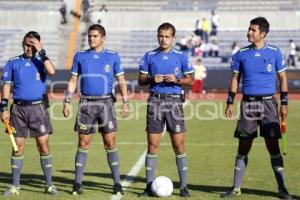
x=77 y=189
x=283 y=194
x=118 y=189
x=233 y=192
x=11 y=190
x=51 y=189
x=147 y=192
x=184 y=192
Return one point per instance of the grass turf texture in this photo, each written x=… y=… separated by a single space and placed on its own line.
x=211 y=151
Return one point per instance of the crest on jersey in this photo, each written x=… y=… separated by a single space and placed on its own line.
x=96 y=56
x=37 y=76
x=176 y=71
x=27 y=64
x=165 y=57
x=269 y=67
x=257 y=54
x=107 y=68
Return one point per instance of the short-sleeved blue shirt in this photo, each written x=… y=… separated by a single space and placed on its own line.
x=258 y=68
x=96 y=71
x=159 y=63
x=28 y=77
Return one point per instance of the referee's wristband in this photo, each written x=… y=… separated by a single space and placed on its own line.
x=43 y=55
x=230 y=98
x=3 y=105
x=284 y=98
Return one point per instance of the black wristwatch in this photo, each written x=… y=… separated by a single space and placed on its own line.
x=42 y=52
x=43 y=56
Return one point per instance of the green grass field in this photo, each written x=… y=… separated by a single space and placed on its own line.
x=211 y=151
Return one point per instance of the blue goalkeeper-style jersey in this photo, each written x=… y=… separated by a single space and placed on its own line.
x=96 y=71
x=27 y=76
x=157 y=62
x=258 y=68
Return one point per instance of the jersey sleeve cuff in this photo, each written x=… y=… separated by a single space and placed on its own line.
x=143 y=72
x=6 y=82
x=119 y=74
x=189 y=72
x=236 y=71
x=282 y=70
x=74 y=73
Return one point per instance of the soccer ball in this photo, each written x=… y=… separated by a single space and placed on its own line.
x=162 y=186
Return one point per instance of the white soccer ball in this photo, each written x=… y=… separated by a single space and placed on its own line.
x=162 y=186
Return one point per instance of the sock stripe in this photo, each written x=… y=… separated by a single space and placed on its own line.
x=46 y=157
x=82 y=150
x=276 y=156
x=151 y=155
x=17 y=157
x=181 y=155
x=241 y=156
x=111 y=150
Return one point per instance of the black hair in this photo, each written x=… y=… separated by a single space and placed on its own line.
x=263 y=24
x=32 y=34
x=99 y=28
x=166 y=26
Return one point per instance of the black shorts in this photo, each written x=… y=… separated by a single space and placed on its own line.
x=262 y=113
x=30 y=120
x=167 y=111
x=99 y=112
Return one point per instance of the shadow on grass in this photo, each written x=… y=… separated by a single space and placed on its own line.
x=37 y=183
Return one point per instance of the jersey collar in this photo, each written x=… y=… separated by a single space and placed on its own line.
x=165 y=52
x=264 y=47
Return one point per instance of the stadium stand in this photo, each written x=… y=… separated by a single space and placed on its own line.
x=195 y=5
x=23 y=16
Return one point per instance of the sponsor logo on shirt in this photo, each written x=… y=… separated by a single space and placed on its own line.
x=257 y=54
x=96 y=57
x=165 y=57
x=27 y=64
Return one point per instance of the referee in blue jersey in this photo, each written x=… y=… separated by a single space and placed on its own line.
x=258 y=65
x=26 y=75
x=96 y=69
x=166 y=70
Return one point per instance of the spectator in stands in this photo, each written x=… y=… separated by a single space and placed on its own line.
x=213 y=47
x=292 y=53
x=95 y=70
x=63 y=11
x=205 y=29
x=26 y=75
x=85 y=6
x=198 y=28
x=214 y=23
x=234 y=48
x=199 y=75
